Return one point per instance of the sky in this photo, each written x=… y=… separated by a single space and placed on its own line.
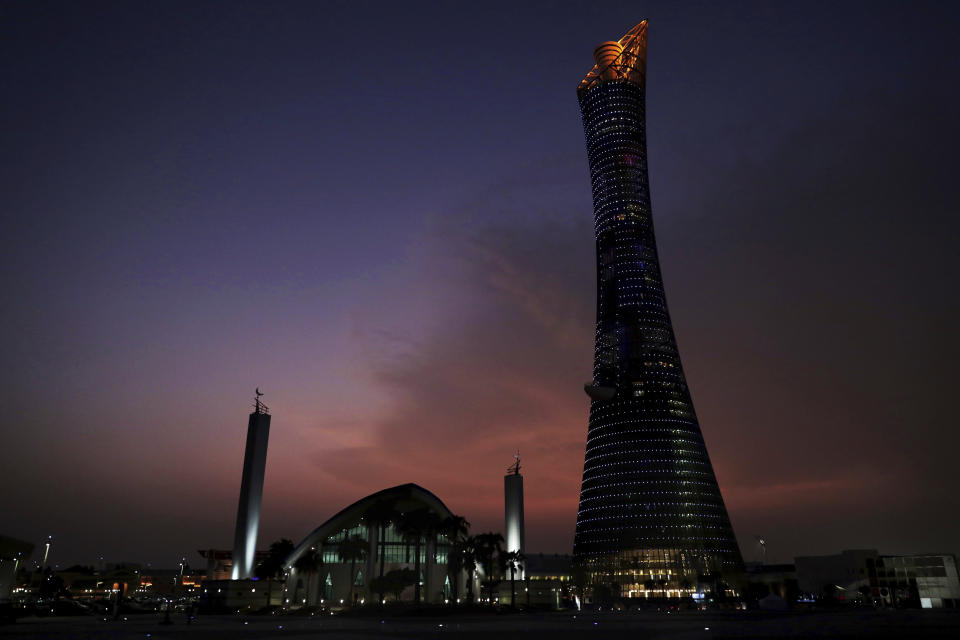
x=380 y=215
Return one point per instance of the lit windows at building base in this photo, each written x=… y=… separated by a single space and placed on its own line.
x=657 y=573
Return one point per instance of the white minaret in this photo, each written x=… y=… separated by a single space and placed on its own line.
x=513 y=509
x=251 y=491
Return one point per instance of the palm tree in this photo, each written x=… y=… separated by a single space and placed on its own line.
x=663 y=582
x=352 y=549
x=489 y=548
x=432 y=524
x=272 y=565
x=307 y=563
x=382 y=513
x=414 y=526
x=396 y=581
x=468 y=559
x=455 y=566
x=649 y=585
x=456 y=529
x=514 y=561
x=408 y=527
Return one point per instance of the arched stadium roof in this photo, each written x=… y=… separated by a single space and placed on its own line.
x=405 y=497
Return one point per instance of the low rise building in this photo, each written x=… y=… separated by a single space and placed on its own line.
x=549 y=581
x=779 y=580
x=13 y=553
x=220 y=562
x=927 y=580
x=842 y=574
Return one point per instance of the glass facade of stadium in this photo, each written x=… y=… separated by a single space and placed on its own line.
x=334 y=580
x=651 y=520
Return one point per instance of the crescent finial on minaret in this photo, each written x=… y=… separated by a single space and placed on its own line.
x=515 y=467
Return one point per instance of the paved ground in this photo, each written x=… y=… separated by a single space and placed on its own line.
x=636 y=626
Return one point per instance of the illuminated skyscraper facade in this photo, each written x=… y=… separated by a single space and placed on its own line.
x=651 y=519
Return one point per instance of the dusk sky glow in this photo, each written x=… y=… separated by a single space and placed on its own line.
x=380 y=215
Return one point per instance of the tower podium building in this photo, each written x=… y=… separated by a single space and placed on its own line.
x=651 y=520
x=251 y=492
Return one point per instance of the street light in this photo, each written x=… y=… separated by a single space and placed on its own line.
x=763 y=549
x=46 y=552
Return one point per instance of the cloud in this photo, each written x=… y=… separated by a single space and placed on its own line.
x=819 y=490
x=783 y=361
x=503 y=370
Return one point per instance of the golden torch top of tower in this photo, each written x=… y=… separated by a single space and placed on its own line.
x=625 y=59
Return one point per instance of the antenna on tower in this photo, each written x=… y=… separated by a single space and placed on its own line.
x=515 y=467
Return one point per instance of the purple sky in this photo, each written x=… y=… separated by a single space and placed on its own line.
x=380 y=214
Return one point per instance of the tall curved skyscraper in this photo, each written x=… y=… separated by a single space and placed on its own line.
x=651 y=518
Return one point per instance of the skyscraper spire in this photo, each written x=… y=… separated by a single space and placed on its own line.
x=650 y=511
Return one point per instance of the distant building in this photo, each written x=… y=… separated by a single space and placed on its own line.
x=87 y=583
x=778 y=579
x=930 y=578
x=921 y=580
x=550 y=566
x=844 y=572
x=171 y=581
x=239 y=595
x=220 y=562
x=549 y=581
x=13 y=553
x=130 y=580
